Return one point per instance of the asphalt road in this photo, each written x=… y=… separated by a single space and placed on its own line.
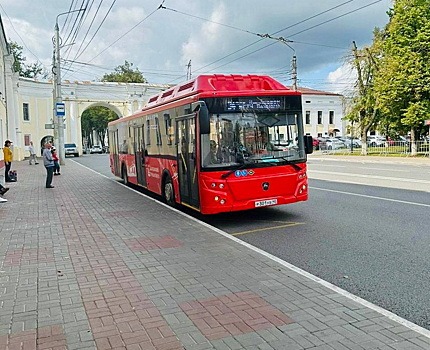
x=365 y=229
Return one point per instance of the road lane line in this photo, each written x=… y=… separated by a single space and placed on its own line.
x=372 y=197
x=371 y=176
x=267 y=228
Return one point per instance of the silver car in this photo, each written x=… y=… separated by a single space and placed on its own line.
x=70 y=149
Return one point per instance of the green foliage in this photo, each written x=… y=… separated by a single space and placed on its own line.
x=95 y=120
x=393 y=85
x=403 y=82
x=32 y=70
x=125 y=74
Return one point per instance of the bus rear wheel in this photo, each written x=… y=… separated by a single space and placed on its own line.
x=169 y=192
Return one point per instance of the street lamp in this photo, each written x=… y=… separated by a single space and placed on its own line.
x=58 y=110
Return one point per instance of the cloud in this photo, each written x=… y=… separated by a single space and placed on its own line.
x=218 y=36
x=342 y=80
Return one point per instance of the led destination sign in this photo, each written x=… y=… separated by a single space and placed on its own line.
x=247 y=104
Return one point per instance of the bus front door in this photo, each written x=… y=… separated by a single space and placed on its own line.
x=140 y=153
x=187 y=158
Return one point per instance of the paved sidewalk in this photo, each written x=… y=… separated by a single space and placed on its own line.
x=93 y=264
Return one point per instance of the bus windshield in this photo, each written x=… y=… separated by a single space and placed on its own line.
x=250 y=137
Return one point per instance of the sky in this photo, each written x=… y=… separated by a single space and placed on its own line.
x=171 y=39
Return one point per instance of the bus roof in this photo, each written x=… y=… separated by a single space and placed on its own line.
x=214 y=85
x=219 y=84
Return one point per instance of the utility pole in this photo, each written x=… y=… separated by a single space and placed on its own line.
x=189 y=70
x=294 y=73
x=58 y=120
x=294 y=61
x=59 y=112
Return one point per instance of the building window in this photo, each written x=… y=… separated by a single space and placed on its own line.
x=308 y=117
x=320 y=117
x=331 y=117
x=25 y=112
x=27 y=140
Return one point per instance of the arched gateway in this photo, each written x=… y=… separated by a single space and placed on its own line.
x=31 y=117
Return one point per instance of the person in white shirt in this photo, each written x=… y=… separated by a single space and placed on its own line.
x=32 y=154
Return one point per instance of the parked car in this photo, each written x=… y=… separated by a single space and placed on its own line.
x=331 y=144
x=376 y=141
x=316 y=143
x=356 y=143
x=96 y=149
x=71 y=149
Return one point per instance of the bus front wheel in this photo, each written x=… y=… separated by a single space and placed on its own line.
x=169 y=192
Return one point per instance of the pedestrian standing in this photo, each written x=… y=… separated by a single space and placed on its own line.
x=8 y=157
x=32 y=154
x=48 y=162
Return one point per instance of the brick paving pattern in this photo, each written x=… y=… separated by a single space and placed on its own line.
x=94 y=265
x=233 y=314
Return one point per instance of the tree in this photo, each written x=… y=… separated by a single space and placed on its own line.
x=32 y=70
x=403 y=80
x=125 y=74
x=94 y=121
x=364 y=109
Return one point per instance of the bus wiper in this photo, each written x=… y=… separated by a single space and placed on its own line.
x=274 y=161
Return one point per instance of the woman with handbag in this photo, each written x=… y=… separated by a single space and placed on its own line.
x=8 y=157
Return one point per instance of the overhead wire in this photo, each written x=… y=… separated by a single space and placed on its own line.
x=123 y=35
x=261 y=39
x=283 y=29
x=78 y=54
x=95 y=33
x=72 y=30
x=66 y=24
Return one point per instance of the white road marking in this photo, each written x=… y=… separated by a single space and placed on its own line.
x=372 y=177
x=372 y=197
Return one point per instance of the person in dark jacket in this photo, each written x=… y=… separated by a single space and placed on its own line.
x=48 y=162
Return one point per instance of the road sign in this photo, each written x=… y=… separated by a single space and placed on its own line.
x=60 y=109
x=52 y=126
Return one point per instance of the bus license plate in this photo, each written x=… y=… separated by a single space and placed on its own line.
x=266 y=203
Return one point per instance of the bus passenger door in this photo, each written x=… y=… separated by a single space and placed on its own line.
x=187 y=161
x=115 y=156
x=140 y=153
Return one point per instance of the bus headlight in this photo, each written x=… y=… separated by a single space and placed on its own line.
x=216 y=198
x=222 y=201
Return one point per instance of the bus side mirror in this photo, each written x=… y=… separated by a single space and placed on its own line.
x=309 y=147
x=203 y=112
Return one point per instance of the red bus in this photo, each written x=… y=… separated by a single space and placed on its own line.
x=216 y=143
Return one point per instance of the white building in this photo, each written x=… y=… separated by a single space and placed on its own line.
x=323 y=112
